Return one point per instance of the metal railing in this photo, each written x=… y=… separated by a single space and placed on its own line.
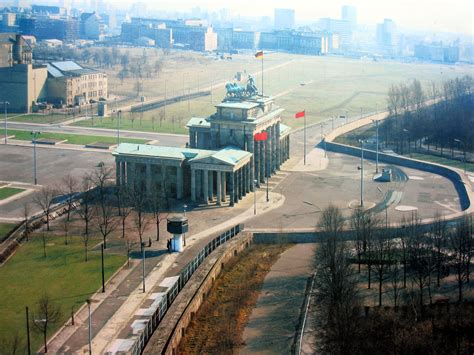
x=170 y=295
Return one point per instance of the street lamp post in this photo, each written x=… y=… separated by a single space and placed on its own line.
x=28 y=332
x=90 y=326
x=361 y=172
x=457 y=140
x=102 y=262
x=377 y=148
x=267 y=190
x=6 y=103
x=119 y=116
x=35 y=135
x=184 y=235
x=143 y=265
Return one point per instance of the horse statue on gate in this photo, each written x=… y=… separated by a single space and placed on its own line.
x=236 y=91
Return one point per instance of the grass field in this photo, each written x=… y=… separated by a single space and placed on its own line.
x=74 y=138
x=63 y=274
x=323 y=86
x=6 y=192
x=444 y=161
x=4 y=229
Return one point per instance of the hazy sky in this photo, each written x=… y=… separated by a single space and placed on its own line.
x=431 y=15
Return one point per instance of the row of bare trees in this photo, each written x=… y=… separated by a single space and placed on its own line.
x=404 y=263
x=446 y=123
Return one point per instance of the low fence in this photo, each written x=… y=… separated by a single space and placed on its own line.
x=185 y=274
x=16 y=237
x=160 y=103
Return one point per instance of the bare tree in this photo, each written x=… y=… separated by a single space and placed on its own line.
x=158 y=215
x=461 y=249
x=12 y=345
x=85 y=210
x=438 y=236
x=123 y=205
x=331 y=221
x=395 y=283
x=47 y=314
x=44 y=200
x=382 y=259
x=106 y=221
x=65 y=229
x=69 y=188
x=139 y=200
x=26 y=216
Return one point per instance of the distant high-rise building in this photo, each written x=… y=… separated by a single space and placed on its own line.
x=349 y=13
x=387 y=35
x=340 y=28
x=284 y=19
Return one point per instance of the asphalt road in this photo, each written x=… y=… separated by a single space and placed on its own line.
x=166 y=139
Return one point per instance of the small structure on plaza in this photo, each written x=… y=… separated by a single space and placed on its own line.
x=178 y=226
x=385 y=176
x=223 y=158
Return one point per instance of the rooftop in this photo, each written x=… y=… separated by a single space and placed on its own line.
x=228 y=155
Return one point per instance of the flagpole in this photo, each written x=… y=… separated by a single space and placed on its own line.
x=262 y=75
x=304 y=144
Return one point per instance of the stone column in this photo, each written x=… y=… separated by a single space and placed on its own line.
x=118 y=170
x=211 y=185
x=278 y=153
x=232 y=188
x=224 y=183
x=131 y=174
x=218 y=188
x=193 y=184
x=288 y=147
x=257 y=162
x=262 y=161
x=148 y=179
x=164 y=193
x=205 y=186
x=247 y=178
x=252 y=160
x=239 y=174
x=179 y=183
x=192 y=138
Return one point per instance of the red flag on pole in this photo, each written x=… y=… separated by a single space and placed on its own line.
x=262 y=136
x=300 y=114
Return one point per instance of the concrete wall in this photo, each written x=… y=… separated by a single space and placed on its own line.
x=459 y=180
x=237 y=245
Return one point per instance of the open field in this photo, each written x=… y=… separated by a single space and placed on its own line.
x=444 y=161
x=63 y=274
x=6 y=192
x=323 y=86
x=73 y=138
x=4 y=229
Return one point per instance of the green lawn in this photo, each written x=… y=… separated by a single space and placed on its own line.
x=63 y=274
x=40 y=118
x=6 y=192
x=74 y=138
x=4 y=229
x=322 y=85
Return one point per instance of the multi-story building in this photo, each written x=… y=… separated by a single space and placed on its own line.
x=71 y=84
x=22 y=83
x=92 y=26
x=341 y=28
x=387 y=36
x=46 y=27
x=349 y=13
x=225 y=36
x=245 y=39
x=284 y=19
x=315 y=43
x=437 y=52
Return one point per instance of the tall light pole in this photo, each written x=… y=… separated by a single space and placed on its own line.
x=5 y=104
x=143 y=265
x=119 y=115
x=90 y=326
x=28 y=332
x=457 y=140
x=184 y=235
x=322 y=125
x=376 y=122
x=361 y=172
x=35 y=135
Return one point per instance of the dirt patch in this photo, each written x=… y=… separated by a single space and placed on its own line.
x=219 y=324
